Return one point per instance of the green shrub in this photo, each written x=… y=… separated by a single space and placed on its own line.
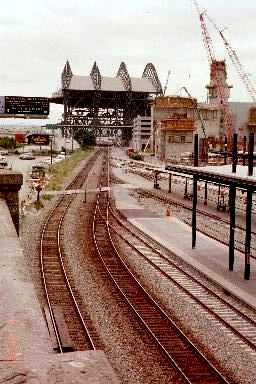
x=136 y=156
x=7 y=142
x=38 y=205
x=47 y=196
x=61 y=170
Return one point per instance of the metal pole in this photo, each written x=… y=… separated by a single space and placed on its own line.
x=232 y=221
x=170 y=183
x=234 y=153
x=186 y=189
x=196 y=150
x=51 y=151
x=218 y=205
x=247 y=268
x=155 y=180
x=250 y=154
x=85 y=193
x=205 y=193
x=225 y=150
x=244 y=149
x=194 y=211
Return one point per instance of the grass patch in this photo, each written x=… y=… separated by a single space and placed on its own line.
x=38 y=205
x=47 y=196
x=62 y=169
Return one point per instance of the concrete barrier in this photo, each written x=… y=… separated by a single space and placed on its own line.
x=10 y=184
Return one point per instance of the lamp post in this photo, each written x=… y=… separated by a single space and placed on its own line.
x=85 y=188
x=225 y=152
x=51 y=150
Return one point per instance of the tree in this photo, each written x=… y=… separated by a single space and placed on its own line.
x=7 y=142
x=84 y=137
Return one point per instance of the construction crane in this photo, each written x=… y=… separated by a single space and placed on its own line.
x=197 y=111
x=236 y=61
x=222 y=95
x=166 y=82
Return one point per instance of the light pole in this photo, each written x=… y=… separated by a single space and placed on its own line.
x=85 y=188
x=51 y=150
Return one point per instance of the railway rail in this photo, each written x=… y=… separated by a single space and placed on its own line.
x=215 y=227
x=68 y=322
x=191 y=364
x=228 y=314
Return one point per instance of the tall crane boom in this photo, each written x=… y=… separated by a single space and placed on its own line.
x=236 y=61
x=222 y=95
x=166 y=83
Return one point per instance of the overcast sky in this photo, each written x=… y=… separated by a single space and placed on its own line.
x=38 y=36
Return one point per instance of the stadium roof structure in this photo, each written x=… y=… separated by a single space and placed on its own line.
x=149 y=82
x=94 y=102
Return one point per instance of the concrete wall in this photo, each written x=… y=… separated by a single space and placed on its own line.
x=10 y=184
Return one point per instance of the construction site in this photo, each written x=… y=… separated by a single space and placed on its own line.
x=175 y=119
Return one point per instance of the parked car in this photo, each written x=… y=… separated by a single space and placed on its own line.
x=59 y=158
x=3 y=162
x=27 y=156
x=4 y=152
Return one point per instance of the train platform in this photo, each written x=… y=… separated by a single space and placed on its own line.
x=210 y=257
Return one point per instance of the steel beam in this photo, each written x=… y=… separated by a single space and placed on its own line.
x=225 y=150
x=194 y=211
x=250 y=154
x=244 y=149
x=234 y=153
x=247 y=267
x=232 y=224
x=156 y=185
x=205 y=193
x=186 y=188
x=170 y=183
x=196 y=150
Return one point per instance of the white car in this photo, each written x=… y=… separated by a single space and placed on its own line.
x=4 y=152
x=27 y=156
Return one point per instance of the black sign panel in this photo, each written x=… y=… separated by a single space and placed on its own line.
x=39 y=139
x=27 y=105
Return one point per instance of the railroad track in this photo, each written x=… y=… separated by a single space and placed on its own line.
x=190 y=363
x=217 y=231
x=231 y=315
x=69 y=325
x=215 y=227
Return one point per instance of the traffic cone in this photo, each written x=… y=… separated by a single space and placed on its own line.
x=168 y=211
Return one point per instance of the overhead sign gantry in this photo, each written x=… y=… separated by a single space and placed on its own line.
x=24 y=107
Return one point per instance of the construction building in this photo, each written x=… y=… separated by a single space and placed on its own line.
x=142 y=126
x=175 y=121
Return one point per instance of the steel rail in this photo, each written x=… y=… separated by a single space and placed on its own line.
x=55 y=327
x=68 y=281
x=102 y=220
x=189 y=276
x=76 y=179
x=203 y=213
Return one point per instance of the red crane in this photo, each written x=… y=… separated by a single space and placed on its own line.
x=236 y=61
x=222 y=95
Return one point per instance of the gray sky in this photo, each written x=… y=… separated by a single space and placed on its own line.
x=38 y=36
